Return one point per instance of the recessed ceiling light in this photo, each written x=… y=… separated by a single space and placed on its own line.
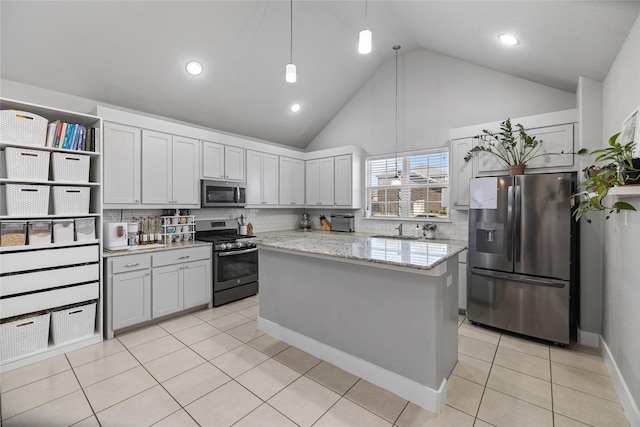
x=194 y=68
x=508 y=39
x=295 y=108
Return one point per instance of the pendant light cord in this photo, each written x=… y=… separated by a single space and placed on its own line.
x=291 y=36
x=365 y=14
x=396 y=48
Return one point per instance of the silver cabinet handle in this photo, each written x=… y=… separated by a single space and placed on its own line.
x=133 y=264
x=184 y=257
x=148 y=274
x=186 y=267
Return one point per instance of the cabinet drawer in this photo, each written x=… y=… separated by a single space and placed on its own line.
x=181 y=255
x=15 y=306
x=47 y=258
x=39 y=280
x=130 y=263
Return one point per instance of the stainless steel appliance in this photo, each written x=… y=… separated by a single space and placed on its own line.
x=235 y=260
x=222 y=194
x=523 y=260
x=343 y=222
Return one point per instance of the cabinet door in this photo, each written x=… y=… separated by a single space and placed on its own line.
x=186 y=182
x=556 y=139
x=197 y=283
x=343 y=181
x=312 y=182
x=462 y=286
x=286 y=181
x=269 y=179
x=297 y=186
x=156 y=168
x=212 y=160
x=131 y=298
x=167 y=290
x=254 y=178
x=234 y=163
x=326 y=183
x=461 y=172
x=121 y=154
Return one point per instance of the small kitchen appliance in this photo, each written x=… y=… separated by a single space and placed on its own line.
x=132 y=234
x=219 y=194
x=305 y=222
x=343 y=222
x=235 y=260
x=116 y=235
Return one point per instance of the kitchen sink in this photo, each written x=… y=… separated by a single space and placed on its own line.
x=397 y=237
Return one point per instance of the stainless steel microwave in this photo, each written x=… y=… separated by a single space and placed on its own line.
x=223 y=194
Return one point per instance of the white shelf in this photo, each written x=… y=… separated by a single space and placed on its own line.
x=51 y=216
x=625 y=191
x=57 y=183
x=44 y=148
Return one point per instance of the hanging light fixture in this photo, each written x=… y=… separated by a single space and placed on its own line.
x=396 y=179
x=364 y=41
x=290 y=70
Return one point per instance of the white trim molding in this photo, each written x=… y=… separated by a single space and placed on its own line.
x=626 y=399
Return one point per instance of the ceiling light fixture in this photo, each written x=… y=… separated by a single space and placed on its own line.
x=364 y=41
x=295 y=107
x=194 y=68
x=396 y=179
x=290 y=70
x=508 y=39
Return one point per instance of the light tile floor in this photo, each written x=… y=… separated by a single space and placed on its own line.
x=215 y=368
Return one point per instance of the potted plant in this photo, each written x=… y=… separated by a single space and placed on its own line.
x=429 y=230
x=514 y=147
x=622 y=169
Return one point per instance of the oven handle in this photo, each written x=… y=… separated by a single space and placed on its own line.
x=231 y=253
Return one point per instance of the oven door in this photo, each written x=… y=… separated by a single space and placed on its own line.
x=235 y=268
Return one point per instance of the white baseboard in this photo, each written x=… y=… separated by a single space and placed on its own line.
x=413 y=391
x=628 y=404
x=588 y=338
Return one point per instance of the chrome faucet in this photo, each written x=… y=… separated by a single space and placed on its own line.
x=399 y=228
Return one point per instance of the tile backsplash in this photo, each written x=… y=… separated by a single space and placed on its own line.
x=264 y=220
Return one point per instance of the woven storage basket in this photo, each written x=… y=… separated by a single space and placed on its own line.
x=70 y=167
x=25 y=335
x=24 y=199
x=21 y=127
x=70 y=200
x=27 y=164
x=71 y=323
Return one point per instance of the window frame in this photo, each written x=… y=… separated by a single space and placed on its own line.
x=405 y=203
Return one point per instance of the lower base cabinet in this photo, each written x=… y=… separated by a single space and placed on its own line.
x=149 y=286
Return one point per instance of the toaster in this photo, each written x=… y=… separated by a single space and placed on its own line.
x=343 y=222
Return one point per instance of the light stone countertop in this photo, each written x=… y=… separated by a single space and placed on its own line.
x=142 y=249
x=423 y=254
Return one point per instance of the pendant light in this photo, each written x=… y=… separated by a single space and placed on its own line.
x=290 y=70
x=396 y=179
x=364 y=41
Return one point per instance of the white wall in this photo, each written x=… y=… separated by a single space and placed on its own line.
x=621 y=293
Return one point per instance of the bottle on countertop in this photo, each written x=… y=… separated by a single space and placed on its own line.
x=417 y=231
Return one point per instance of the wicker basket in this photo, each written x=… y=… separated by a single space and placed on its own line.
x=21 y=127
x=70 y=200
x=24 y=199
x=24 y=335
x=70 y=167
x=27 y=164
x=74 y=322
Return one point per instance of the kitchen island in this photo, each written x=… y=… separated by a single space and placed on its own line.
x=384 y=309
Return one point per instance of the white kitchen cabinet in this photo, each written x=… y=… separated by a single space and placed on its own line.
x=262 y=178
x=197 y=283
x=169 y=169
x=167 y=288
x=462 y=282
x=320 y=182
x=343 y=181
x=122 y=164
x=461 y=173
x=222 y=162
x=292 y=181
x=131 y=292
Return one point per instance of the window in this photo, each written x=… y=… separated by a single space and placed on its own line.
x=413 y=185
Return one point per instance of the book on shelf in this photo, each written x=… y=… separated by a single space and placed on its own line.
x=71 y=136
x=68 y=137
x=60 y=135
x=51 y=132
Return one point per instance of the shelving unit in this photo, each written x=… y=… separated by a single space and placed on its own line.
x=49 y=276
x=178 y=235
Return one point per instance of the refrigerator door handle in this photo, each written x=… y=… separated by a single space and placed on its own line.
x=510 y=223
x=552 y=283
x=517 y=229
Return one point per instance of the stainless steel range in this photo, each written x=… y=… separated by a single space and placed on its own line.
x=235 y=260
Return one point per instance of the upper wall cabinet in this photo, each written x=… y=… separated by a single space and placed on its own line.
x=222 y=162
x=122 y=164
x=262 y=179
x=335 y=181
x=291 y=182
x=169 y=169
x=461 y=172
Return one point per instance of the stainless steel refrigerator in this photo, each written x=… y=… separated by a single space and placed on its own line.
x=523 y=255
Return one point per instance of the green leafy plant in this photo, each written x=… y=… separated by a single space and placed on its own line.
x=597 y=184
x=513 y=147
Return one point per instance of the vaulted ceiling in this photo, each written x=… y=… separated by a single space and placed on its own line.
x=133 y=53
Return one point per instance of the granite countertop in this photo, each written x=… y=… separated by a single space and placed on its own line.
x=423 y=254
x=154 y=248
